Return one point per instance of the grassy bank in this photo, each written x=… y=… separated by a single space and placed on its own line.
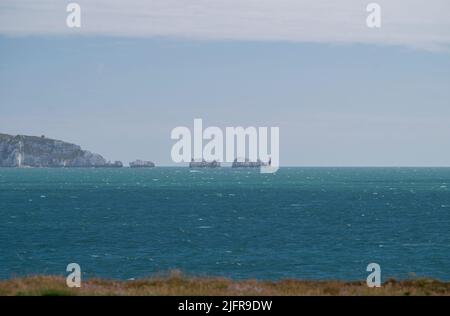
x=176 y=284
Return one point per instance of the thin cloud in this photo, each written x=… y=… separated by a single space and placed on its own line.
x=413 y=23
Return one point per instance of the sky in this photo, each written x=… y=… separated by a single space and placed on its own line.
x=341 y=93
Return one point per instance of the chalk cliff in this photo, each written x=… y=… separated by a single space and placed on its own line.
x=32 y=151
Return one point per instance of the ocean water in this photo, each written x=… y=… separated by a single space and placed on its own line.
x=307 y=223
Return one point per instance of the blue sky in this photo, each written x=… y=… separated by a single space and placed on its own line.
x=337 y=103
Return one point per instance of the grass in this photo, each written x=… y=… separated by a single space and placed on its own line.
x=177 y=284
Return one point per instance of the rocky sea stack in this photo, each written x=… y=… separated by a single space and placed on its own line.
x=142 y=164
x=32 y=151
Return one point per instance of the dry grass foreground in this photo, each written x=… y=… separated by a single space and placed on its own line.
x=177 y=284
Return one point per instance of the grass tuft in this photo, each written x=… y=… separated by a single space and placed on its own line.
x=175 y=283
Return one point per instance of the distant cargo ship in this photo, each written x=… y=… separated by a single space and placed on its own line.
x=204 y=164
x=142 y=164
x=249 y=164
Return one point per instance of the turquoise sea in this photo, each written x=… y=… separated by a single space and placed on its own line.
x=307 y=223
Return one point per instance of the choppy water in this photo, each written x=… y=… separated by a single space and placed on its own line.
x=309 y=223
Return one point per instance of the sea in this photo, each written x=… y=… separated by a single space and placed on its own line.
x=299 y=223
